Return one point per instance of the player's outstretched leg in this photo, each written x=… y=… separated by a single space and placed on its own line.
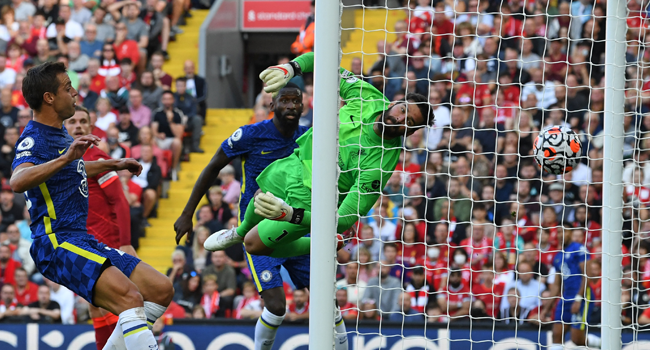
x=117 y=294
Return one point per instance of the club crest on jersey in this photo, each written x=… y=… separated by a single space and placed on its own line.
x=266 y=275
x=27 y=143
x=236 y=136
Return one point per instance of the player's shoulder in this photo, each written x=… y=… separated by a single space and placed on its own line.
x=94 y=153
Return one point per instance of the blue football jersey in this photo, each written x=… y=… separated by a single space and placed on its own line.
x=567 y=263
x=60 y=204
x=258 y=145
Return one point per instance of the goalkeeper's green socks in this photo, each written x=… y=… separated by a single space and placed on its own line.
x=296 y=248
x=250 y=220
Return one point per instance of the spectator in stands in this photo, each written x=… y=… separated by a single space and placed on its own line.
x=10 y=309
x=455 y=298
x=529 y=289
x=167 y=126
x=179 y=272
x=20 y=247
x=191 y=293
x=199 y=253
x=109 y=63
x=161 y=78
x=65 y=298
x=355 y=288
x=226 y=276
x=187 y=104
x=115 y=149
x=513 y=311
x=26 y=292
x=78 y=61
x=196 y=86
x=8 y=265
x=105 y=30
x=229 y=185
x=369 y=243
x=383 y=289
x=86 y=96
x=418 y=289
x=299 y=309
x=145 y=137
x=163 y=339
x=126 y=48
x=220 y=209
x=43 y=309
x=349 y=310
x=250 y=304
x=206 y=218
x=489 y=292
x=149 y=179
x=128 y=132
x=211 y=299
x=97 y=81
x=43 y=53
x=140 y=114
x=137 y=29
x=127 y=76
x=105 y=117
x=406 y=314
x=117 y=96
x=73 y=30
x=461 y=205
x=90 y=46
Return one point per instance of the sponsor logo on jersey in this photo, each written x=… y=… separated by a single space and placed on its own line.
x=265 y=152
x=27 y=143
x=266 y=275
x=23 y=154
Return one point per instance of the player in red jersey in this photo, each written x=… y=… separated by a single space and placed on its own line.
x=109 y=219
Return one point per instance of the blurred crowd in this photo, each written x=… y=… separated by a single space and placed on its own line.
x=115 y=52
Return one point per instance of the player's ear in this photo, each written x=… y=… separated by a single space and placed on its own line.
x=48 y=97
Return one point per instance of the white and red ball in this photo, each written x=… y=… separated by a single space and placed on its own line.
x=557 y=149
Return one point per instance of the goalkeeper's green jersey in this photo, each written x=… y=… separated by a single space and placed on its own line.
x=366 y=160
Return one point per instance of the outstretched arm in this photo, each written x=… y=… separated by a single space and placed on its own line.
x=183 y=225
x=101 y=166
x=28 y=175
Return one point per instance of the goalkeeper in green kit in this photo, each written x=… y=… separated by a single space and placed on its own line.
x=371 y=132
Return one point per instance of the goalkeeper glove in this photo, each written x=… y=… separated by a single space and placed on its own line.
x=276 y=77
x=273 y=208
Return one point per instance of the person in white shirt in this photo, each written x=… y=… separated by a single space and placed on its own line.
x=7 y=75
x=443 y=118
x=355 y=287
x=73 y=30
x=65 y=298
x=105 y=118
x=23 y=10
x=529 y=288
x=384 y=229
x=544 y=91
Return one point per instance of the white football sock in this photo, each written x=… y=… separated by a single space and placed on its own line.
x=153 y=312
x=265 y=330
x=556 y=347
x=137 y=335
x=341 y=335
x=594 y=341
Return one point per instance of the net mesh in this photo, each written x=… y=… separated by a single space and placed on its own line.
x=469 y=244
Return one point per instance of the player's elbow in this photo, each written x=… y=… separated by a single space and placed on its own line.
x=17 y=184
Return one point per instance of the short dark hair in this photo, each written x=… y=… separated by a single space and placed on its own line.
x=126 y=60
x=289 y=86
x=183 y=79
x=390 y=245
x=82 y=109
x=124 y=110
x=423 y=105
x=168 y=92
x=39 y=80
x=418 y=270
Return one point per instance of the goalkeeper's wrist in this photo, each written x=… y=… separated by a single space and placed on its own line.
x=297 y=216
x=297 y=71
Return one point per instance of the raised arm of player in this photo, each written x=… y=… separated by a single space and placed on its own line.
x=183 y=224
x=114 y=192
x=100 y=166
x=28 y=175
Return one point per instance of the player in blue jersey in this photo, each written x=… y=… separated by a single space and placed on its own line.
x=49 y=170
x=570 y=285
x=259 y=145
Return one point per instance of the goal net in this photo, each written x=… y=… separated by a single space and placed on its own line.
x=470 y=245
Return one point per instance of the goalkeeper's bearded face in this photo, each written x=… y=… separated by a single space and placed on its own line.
x=401 y=119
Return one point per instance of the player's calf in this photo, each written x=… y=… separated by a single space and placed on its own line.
x=156 y=289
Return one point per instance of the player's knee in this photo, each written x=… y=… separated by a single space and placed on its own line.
x=131 y=298
x=254 y=245
x=277 y=306
x=150 y=194
x=166 y=291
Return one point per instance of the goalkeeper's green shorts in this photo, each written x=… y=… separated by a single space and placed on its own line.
x=284 y=179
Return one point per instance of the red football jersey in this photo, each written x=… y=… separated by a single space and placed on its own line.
x=491 y=297
x=305 y=308
x=456 y=295
x=103 y=220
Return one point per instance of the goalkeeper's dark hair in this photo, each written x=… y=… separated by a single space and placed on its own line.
x=423 y=105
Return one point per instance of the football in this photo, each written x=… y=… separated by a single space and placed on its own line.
x=557 y=149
